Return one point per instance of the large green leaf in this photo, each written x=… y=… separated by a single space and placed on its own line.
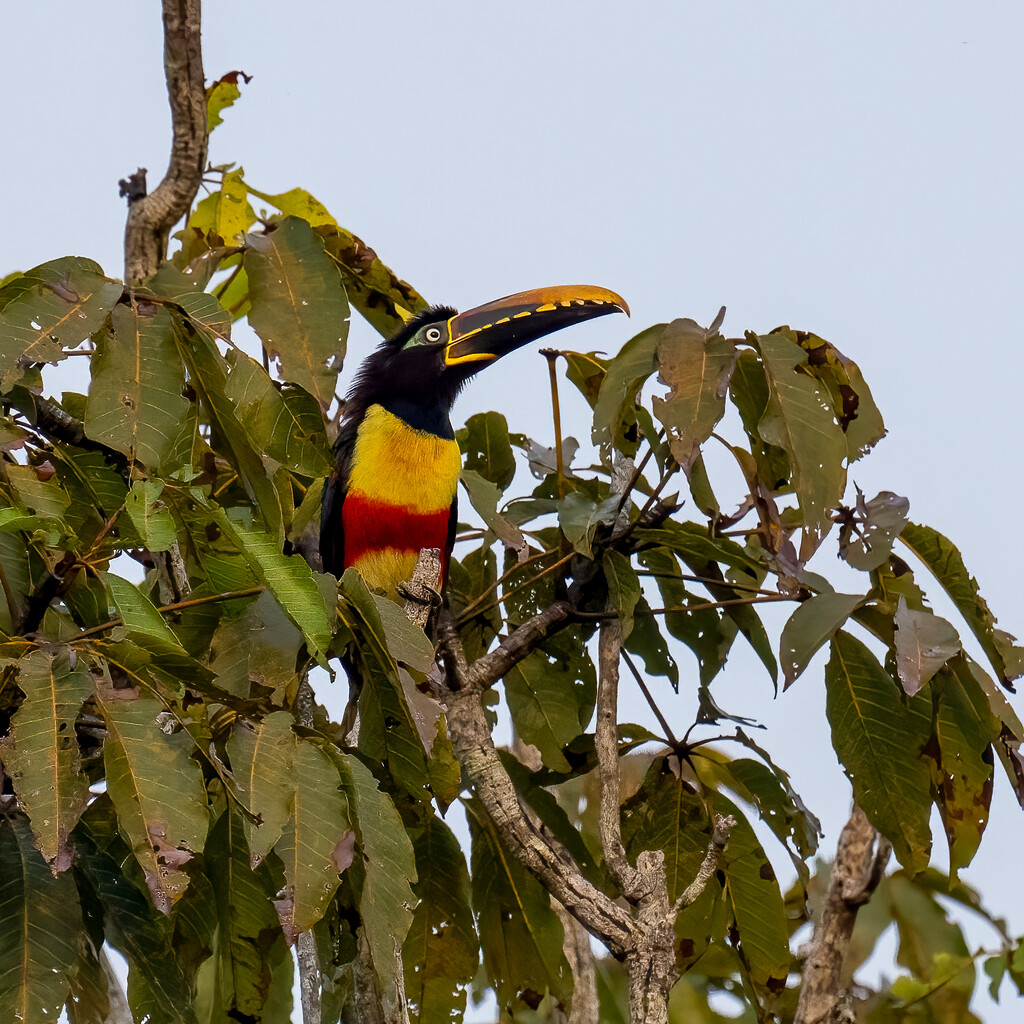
x=249 y=936
x=263 y=765
x=809 y=627
x=316 y=842
x=131 y=924
x=486 y=448
x=965 y=730
x=59 y=305
x=142 y=619
x=799 y=419
x=520 y=934
x=696 y=364
x=152 y=521
x=755 y=899
x=749 y=392
x=299 y=307
x=40 y=922
x=623 y=587
x=288 y=577
x=879 y=740
x=157 y=789
x=442 y=950
x=137 y=401
x=626 y=374
x=387 y=899
x=40 y=754
x=285 y=422
x=946 y=564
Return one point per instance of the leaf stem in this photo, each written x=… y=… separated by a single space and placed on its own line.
x=672 y=741
x=551 y=355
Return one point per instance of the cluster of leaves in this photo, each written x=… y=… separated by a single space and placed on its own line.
x=162 y=794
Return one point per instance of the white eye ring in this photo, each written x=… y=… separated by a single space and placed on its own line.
x=433 y=334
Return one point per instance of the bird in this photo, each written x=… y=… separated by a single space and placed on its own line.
x=392 y=489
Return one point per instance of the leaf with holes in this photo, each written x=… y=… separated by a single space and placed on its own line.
x=299 y=307
x=41 y=751
x=924 y=643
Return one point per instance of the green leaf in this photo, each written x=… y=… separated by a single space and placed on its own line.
x=626 y=374
x=520 y=934
x=851 y=398
x=387 y=898
x=145 y=624
x=137 y=401
x=924 y=643
x=812 y=624
x=315 y=845
x=58 y=305
x=299 y=307
x=547 y=696
x=41 y=755
x=579 y=517
x=586 y=370
x=799 y=419
x=387 y=730
x=946 y=564
x=221 y=95
x=154 y=525
x=156 y=978
x=225 y=215
x=753 y=894
x=40 y=923
x=749 y=392
x=486 y=448
x=286 y=422
x=879 y=740
x=696 y=364
x=157 y=789
x=442 y=950
x=964 y=732
x=647 y=641
x=263 y=766
x=288 y=577
x=484 y=496
x=201 y=308
x=623 y=587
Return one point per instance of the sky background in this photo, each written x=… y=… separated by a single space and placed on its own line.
x=851 y=169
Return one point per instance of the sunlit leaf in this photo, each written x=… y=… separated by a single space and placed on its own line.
x=41 y=755
x=225 y=215
x=222 y=94
x=879 y=740
x=299 y=307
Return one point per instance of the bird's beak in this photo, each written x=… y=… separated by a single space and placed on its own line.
x=488 y=332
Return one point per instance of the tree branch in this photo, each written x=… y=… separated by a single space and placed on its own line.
x=150 y=218
x=719 y=837
x=471 y=737
x=855 y=875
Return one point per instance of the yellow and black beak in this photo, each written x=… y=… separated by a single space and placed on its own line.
x=488 y=332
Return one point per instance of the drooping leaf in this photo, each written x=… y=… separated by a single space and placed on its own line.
x=40 y=922
x=625 y=375
x=809 y=627
x=879 y=740
x=696 y=364
x=315 y=844
x=287 y=577
x=799 y=419
x=750 y=394
x=521 y=936
x=946 y=564
x=299 y=307
x=157 y=789
x=286 y=423
x=441 y=950
x=623 y=587
x=647 y=641
x=486 y=448
x=587 y=371
x=924 y=643
x=152 y=523
x=58 y=305
x=263 y=765
x=484 y=496
x=387 y=899
x=41 y=754
x=137 y=401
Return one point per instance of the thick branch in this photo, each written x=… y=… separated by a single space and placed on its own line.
x=150 y=218
x=855 y=874
x=471 y=737
x=487 y=670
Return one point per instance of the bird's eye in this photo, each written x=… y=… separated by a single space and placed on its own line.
x=432 y=334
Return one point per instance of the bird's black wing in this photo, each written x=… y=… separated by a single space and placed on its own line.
x=332 y=533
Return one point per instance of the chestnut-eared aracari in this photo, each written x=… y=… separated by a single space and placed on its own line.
x=393 y=487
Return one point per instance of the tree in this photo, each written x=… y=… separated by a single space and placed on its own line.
x=173 y=790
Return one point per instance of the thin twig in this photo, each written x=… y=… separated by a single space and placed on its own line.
x=631 y=665
x=719 y=837
x=464 y=618
x=602 y=616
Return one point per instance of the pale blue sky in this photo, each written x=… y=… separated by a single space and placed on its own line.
x=853 y=169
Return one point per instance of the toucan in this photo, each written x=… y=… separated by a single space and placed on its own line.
x=393 y=487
